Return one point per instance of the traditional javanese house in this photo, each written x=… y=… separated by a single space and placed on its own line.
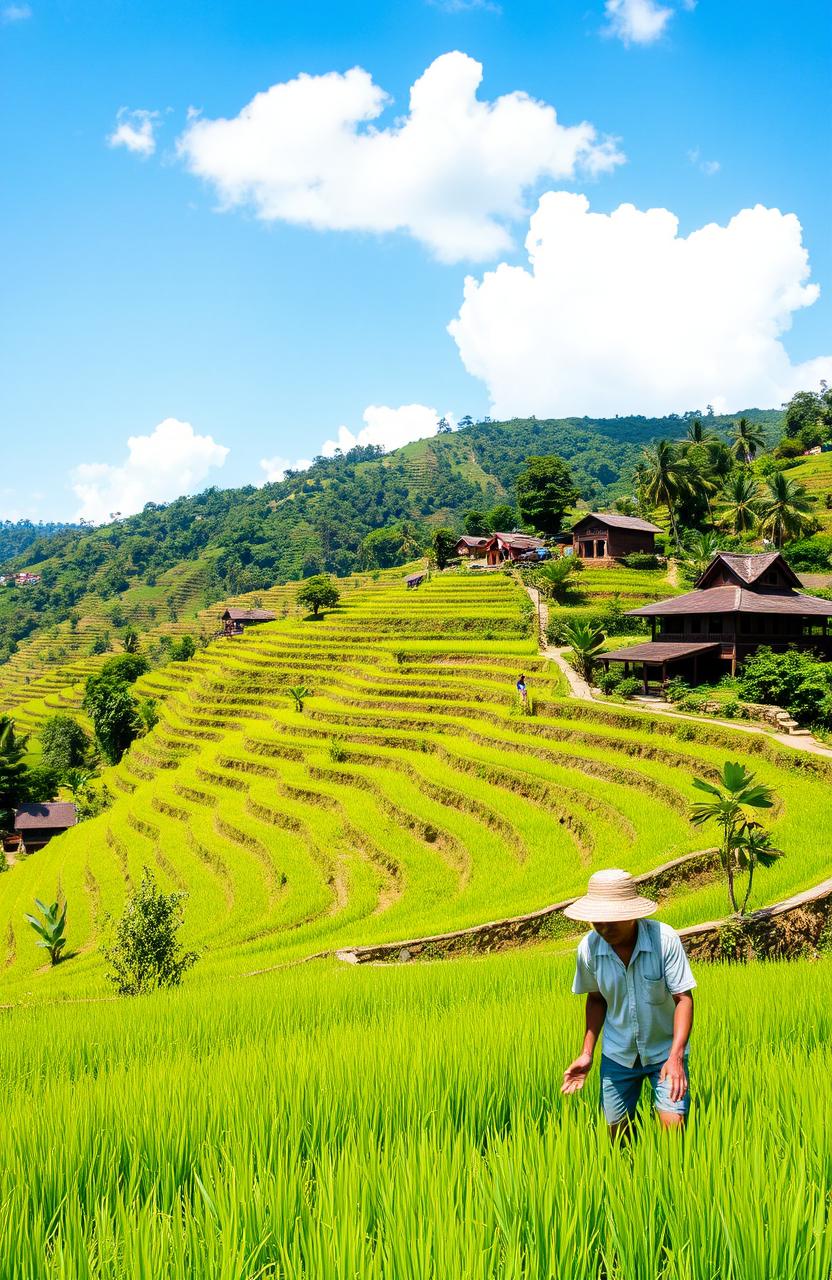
x=470 y=546
x=511 y=546
x=235 y=621
x=36 y=824
x=738 y=605
x=606 y=536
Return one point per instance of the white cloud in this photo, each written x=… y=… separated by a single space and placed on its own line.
x=452 y=172
x=708 y=167
x=636 y=21
x=618 y=313
x=135 y=130
x=276 y=467
x=390 y=428
x=172 y=460
x=15 y=13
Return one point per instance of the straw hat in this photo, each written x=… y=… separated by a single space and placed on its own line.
x=611 y=895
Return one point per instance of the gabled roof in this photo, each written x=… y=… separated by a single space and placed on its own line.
x=249 y=615
x=523 y=541
x=736 y=600
x=615 y=521
x=748 y=567
x=38 y=817
x=472 y=541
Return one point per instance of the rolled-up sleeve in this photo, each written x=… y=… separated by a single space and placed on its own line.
x=677 y=971
x=584 y=981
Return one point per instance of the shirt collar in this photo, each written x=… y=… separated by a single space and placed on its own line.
x=643 y=943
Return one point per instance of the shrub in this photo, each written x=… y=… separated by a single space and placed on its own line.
x=145 y=952
x=64 y=743
x=810 y=555
x=607 y=681
x=676 y=689
x=793 y=679
x=126 y=667
x=641 y=560
x=318 y=592
x=183 y=649
x=628 y=686
x=114 y=714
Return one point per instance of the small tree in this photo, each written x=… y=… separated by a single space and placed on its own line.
x=51 y=930
x=64 y=743
x=318 y=592
x=544 y=492
x=444 y=546
x=13 y=772
x=130 y=640
x=743 y=844
x=586 y=641
x=145 y=952
x=114 y=714
x=555 y=578
x=183 y=649
x=300 y=693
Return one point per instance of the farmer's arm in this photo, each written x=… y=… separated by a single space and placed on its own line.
x=574 y=1077
x=680 y=982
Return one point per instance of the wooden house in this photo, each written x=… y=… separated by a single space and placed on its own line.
x=235 y=621
x=738 y=605
x=469 y=546
x=606 y=536
x=511 y=546
x=414 y=580
x=36 y=824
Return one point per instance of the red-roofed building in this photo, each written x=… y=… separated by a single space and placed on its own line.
x=511 y=546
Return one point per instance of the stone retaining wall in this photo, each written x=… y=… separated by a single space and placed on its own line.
x=548 y=922
x=798 y=926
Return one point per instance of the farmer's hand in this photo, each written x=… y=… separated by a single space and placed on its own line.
x=574 y=1077
x=673 y=1072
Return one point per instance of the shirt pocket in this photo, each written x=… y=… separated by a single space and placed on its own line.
x=655 y=990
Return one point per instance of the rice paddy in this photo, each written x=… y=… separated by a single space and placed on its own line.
x=343 y=1124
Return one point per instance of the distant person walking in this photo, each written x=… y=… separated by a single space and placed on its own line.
x=523 y=691
x=639 y=990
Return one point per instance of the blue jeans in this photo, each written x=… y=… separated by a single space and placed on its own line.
x=621 y=1089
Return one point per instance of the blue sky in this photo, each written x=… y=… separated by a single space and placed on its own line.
x=132 y=299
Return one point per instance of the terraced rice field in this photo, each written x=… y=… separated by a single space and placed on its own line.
x=409 y=797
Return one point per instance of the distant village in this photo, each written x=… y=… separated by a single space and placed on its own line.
x=19 y=579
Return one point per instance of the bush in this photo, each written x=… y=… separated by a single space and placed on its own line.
x=794 y=680
x=126 y=667
x=641 y=560
x=607 y=681
x=810 y=555
x=64 y=743
x=628 y=686
x=145 y=952
x=676 y=689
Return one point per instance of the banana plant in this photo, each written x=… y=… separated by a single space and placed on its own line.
x=299 y=692
x=743 y=845
x=50 y=930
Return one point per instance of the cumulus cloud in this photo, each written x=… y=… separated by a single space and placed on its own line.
x=452 y=172
x=618 y=313
x=15 y=13
x=172 y=460
x=636 y=21
x=389 y=428
x=276 y=467
x=135 y=130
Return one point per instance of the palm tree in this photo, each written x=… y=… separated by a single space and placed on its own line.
x=554 y=578
x=785 y=511
x=666 y=478
x=740 y=849
x=700 y=551
x=748 y=437
x=740 y=502
x=697 y=434
x=586 y=642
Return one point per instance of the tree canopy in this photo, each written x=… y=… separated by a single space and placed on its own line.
x=545 y=492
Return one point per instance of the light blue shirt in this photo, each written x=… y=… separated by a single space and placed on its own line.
x=640 y=1005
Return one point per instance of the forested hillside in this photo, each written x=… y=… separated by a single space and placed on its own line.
x=249 y=538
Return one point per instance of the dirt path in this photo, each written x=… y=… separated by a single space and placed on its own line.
x=578 y=688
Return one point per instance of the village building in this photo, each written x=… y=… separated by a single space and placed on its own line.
x=504 y=547
x=36 y=824
x=738 y=605
x=471 y=546
x=235 y=621
x=414 y=580
x=606 y=536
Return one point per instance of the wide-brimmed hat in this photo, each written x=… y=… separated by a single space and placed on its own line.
x=611 y=895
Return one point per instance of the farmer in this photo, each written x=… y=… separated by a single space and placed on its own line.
x=639 y=989
x=522 y=690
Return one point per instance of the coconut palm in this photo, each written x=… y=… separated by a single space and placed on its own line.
x=737 y=792
x=586 y=642
x=785 y=511
x=697 y=433
x=554 y=578
x=700 y=551
x=666 y=478
x=746 y=438
x=739 y=503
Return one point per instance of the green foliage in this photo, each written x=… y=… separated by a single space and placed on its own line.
x=148 y=713
x=810 y=555
x=394 y=545
x=130 y=640
x=502 y=518
x=114 y=713
x=443 y=544
x=65 y=745
x=664 y=478
x=641 y=560
x=747 y=439
x=793 y=679
x=545 y=491
x=124 y=667
x=299 y=693
x=744 y=845
x=51 y=929
x=586 y=643
x=476 y=524
x=14 y=776
x=183 y=649
x=101 y=644
x=145 y=952
x=738 y=506
x=808 y=409
x=785 y=510
x=318 y=592
x=557 y=577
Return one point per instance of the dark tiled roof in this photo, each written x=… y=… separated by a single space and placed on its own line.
x=615 y=521
x=250 y=615
x=36 y=817
x=749 y=567
x=659 y=651
x=736 y=600
x=522 y=540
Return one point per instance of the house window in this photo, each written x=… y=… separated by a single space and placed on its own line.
x=715 y=624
